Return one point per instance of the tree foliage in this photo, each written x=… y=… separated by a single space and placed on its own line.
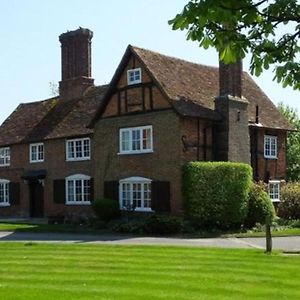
x=293 y=142
x=268 y=30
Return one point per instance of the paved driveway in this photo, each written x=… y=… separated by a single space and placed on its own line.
x=283 y=243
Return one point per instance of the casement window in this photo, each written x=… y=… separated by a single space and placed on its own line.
x=4 y=156
x=134 y=76
x=4 y=192
x=36 y=152
x=135 y=194
x=78 y=149
x=274 y=190
x=136 y=140
x=270 y=146
x=78 y=189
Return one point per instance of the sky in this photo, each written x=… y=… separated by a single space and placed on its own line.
x=30 y=50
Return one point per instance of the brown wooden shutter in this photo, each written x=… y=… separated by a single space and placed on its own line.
x=111 y=190
x=59 y=191
x=92 y=197
x=14 y=193
x=160 y=196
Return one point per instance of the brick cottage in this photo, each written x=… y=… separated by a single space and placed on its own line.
x=129 y=140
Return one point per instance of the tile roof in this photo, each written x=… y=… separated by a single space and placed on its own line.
x=51 y=118
x=192 y=88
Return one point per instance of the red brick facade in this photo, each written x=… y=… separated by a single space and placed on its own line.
x=176 y=99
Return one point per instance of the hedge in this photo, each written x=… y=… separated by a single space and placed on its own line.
x=289 y=206
x=260 y=206
x=216 y=193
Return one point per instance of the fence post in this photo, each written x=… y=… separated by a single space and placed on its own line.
x=268 y=235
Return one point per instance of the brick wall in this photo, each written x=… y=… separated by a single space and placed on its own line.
x=163 y=164
x=266 y=168
x=57 y=168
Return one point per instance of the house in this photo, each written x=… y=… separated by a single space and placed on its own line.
x=129 y=140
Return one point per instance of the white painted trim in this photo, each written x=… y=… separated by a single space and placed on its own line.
x=82 y=149
x=37 y=153
x=134 y=81
x=5 y=149
x=137 y=179
x=131 y=181
x=141 y=129
x=274 y=182
x=72 y=178
x=6 y=203
x=274 y=137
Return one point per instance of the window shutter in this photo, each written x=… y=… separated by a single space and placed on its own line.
x=14 y=193
x=92 y=189
x=160 y=196
x=111 y=190
x=59 y=191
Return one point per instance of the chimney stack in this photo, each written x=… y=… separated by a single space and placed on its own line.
x=232 y=134
x=75 y=63
x=230 y=79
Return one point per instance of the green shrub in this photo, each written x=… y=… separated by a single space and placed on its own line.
x=260 y=206
x=106 y=209
x=216 y=193
x=289 y=206
x=135 y=226
x=163 y=224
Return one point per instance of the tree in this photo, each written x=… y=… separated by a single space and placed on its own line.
x=293 y=142
x=235 y=28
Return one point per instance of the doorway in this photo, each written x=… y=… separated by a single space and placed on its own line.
x=36 y=196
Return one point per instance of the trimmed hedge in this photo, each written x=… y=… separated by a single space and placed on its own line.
x=216 y=193
x=260 y=206
x=289 y=206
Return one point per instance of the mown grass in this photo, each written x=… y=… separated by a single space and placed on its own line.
x=56 y=271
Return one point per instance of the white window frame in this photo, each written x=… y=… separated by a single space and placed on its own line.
x=274 y=182
x=5 y=183
x=132 y=71
x=36 y=145
x=5 y=155
x=130 y=130
x=270 y=138
x=73 y=178
x=131 y=181
x=76 y=156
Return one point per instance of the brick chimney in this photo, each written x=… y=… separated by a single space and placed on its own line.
x=75 y=63
x=232 y=134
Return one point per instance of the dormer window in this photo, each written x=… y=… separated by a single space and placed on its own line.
x=134 y=76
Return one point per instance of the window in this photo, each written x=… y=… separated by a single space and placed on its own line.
x=274 y=190
x=78 y=189
x=136 y=140
x=134 y=76
x=4 y=192
x=135 y=194
x=4 y=156
x=270 y=146
x=36 y=152
x=78 y=149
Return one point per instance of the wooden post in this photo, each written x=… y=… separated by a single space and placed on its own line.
x=268 y=235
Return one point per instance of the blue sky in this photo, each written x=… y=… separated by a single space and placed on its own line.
x=30 y=50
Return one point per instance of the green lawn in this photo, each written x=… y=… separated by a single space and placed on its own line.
x=55 y=271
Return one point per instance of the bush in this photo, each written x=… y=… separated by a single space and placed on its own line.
x=216 y=193
x=260 y=206
x=163 y=224
x=106 y=209
x=289 y=206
